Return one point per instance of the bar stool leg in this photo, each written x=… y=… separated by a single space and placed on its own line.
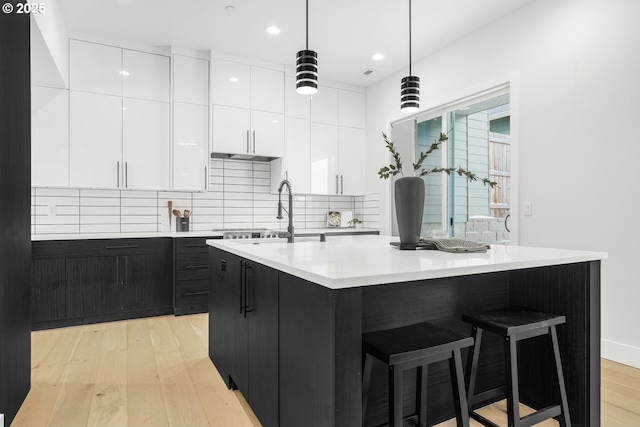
x=421 y=394
x=511 y=379
x=366 y=381
x=472 y=365
x=395 y=396
x=459 y=395
x=563 y=391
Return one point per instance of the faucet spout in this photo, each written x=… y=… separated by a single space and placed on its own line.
x=289 y=211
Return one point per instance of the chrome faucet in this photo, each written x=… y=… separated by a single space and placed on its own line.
x=289 y=212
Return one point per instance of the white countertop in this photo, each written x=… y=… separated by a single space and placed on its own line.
x=351 y=261
x=175 y=234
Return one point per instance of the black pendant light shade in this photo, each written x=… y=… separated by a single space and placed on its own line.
x=307 y=72
x=410 y=85
x=307 y=66
x=410 y=94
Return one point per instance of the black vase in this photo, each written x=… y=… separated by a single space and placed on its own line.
x=409 y=199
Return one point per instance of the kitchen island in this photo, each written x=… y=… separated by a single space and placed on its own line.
x=286 y=322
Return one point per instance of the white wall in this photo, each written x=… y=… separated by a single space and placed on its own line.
x=577 y=73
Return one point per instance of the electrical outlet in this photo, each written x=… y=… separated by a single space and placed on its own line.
x=52 y=212
x=528 y=208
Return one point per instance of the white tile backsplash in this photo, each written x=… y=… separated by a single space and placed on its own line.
x=239 y=196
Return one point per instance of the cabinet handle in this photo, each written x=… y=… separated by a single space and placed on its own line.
x=254 y=142
x=194 y=267
x=341 y=184
x=122 y=247
x=246 y=290
x=118 y=174
x=196 y=245
x=126 y=174
x=336 y=184
x=191 y=294
x=248 y=141
x=205 y=177
x=242 y=279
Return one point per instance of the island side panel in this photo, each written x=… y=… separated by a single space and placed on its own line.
x=319 y=329
x=442 y=302
x=572 y=290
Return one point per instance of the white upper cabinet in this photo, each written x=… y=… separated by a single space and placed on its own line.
x=49 y=137
x=95 y=68
x=95 y=140
x=145 y=76
x=230 y=83
x=324 y=159
x=190 y=80
x=190 y=146
x=267 y=134
x=351 y=109
x=296 y=105
x=145 y=145
x=351 y=155
x=190 y=123
x=294 y=166
x=267 y=90
x=231 y=130
x=324 y=106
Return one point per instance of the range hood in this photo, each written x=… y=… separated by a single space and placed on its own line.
x=251 y=157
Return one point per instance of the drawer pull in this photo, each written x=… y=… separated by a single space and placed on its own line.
x=123 y=247
x=194 y=245
x=191 y=294
x=192 y=267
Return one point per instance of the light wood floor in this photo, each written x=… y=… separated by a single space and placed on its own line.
x=156 y=372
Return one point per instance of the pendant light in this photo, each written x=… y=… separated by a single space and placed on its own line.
x=307 y=66
x=410 y=85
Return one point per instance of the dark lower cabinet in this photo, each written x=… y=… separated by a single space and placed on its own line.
x=48 y=282
x=85 y=281
x=191 y=275
x=243 y=330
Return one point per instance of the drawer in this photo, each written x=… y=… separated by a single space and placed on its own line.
x=192 y=272
x=191 y=244
x=115 y=247
x=48 y=249
x=192 y=294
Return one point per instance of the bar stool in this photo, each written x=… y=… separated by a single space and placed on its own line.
x=415 y=346
x=513 y=325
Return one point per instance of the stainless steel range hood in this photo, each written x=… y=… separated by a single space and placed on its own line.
x=252 y=157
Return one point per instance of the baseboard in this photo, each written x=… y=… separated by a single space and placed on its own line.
x=621 y=353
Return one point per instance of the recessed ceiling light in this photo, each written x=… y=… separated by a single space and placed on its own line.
x=377 y=57
x=230 y=8
x=273 y=30
x=124 y=73
x=234 y=79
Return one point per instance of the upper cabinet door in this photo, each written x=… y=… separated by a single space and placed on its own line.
x=267 y=136
x=145 y=76
x=49 y=137
x=297 y=156
x=190 y=80
x=267 y=90
x=296 y=105
x=324 y=159
x=351 y=157
x=95 y=68
x=190 y=146
x=95 y=140
x=351 y=109
x=324 y=106
x=145 y=144
x=230 y=83
x=231 y=130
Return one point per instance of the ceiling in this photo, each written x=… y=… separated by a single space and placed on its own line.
x=345 y=33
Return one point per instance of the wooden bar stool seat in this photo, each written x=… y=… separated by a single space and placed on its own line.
x=513 y=325
x=415 y=346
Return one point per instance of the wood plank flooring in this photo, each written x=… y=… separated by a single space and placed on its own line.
x=156 y=372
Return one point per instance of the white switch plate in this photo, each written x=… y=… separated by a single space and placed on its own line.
x=528 y=208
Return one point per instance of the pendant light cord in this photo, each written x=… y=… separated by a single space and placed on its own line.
x=307 y=17
x=409 y=37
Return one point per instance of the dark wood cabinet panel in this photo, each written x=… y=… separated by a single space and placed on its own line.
x=147 y=283
x=191 y=275
x=243 y=330
x=48 y=289
x=92 y=286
